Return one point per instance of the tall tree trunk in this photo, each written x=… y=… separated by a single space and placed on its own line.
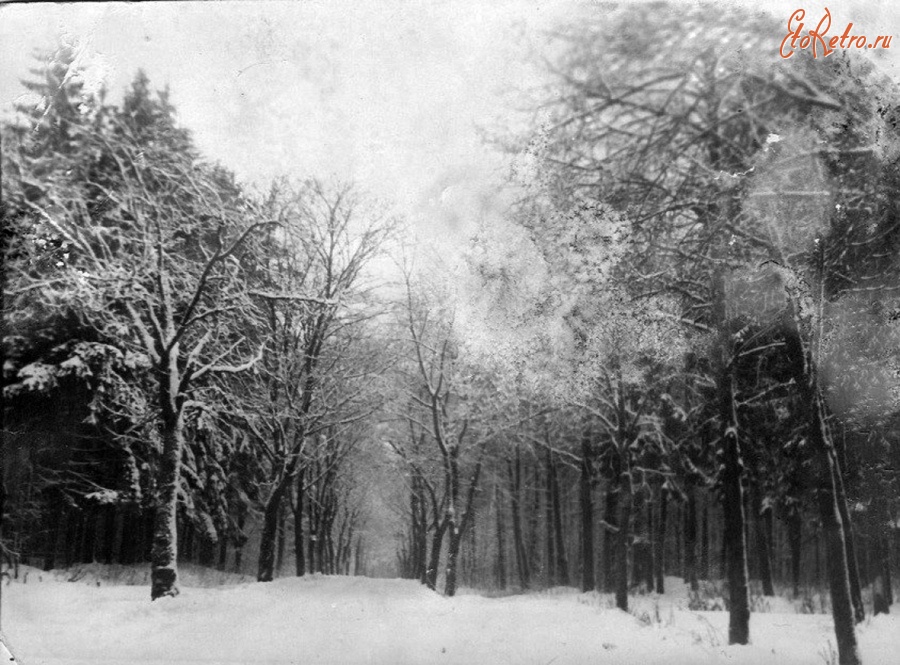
x=163 y=556
x=835 y=542
x=268 y=538
x=72 y=538
x=279 y=553
x=587 y=513
x=735 y=544
x=501 y=542
x=859 y=611
x=732 y=475
x=100 y=535
x=515 y=479
x=239 y=543
x=437 y=541
x=458 y=526
x=550 y=557
x=358 y=567
x=623 y=539
x=836 y=564
x=222 y=561
x=690 y=537
x=829 y=470
x=562 y=568
x=452 y=558
x=420 y=530
x=52 y=534
x=763 y=547
x=299 y=552
x=611 y=517
x=704 y=540
x=206 y=550
x=882 y=576
x=534 y=517
x=650 y=568
x=795 y=540
x=659 y=541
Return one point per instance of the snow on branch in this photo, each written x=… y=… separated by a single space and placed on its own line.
x=271 y=295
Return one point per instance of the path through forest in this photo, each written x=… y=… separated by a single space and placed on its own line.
x=317 y=619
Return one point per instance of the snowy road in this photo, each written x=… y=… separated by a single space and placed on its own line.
x=359 y=620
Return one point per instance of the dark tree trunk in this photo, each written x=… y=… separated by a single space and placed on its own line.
x=452 y=559
x=501 y=542
x=611 y=517
x=118 y=533
x=534 y=516
x=881 y=584
x=268 y=538
x=299 y=557
x=86 y=536
x=772 y=541
x=358 y=566
x=832 y=524
x=515 y=480
x=659 y=541
x=437 y=541
x=279 y=555
x=859 y=611
x=623 y=539
x=733 y=499
x=817 y=550
x=62 y=541
x=239 y=543
x=459 y=526
x=129 y=546
x=562 y=568
x=97 y=545
x=650 y=570
x=107 y=541
x=550 y=560
x=690 y=537
x=587 y=513
x=763 y=547
x=735 y=543
x=71 y=538
x=311 y=545
x=185 y=540
x=829 y=499
x=704 y=541
x=222 y=562
x=419 y=529
x=52 y=537
x=795 y=539
x=836 y=564
x=206 y=550
x=163 y=556
x=723 y=553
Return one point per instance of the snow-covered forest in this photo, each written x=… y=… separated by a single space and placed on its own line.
x=629 y=393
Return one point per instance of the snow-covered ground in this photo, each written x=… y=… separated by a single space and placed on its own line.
x=346 y=620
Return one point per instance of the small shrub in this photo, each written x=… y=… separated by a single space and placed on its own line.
x=698 y=601
x=713 y=637
x=829 y=654
x=643 y=617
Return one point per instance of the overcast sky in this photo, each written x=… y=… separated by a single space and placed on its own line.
x=388 y=93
